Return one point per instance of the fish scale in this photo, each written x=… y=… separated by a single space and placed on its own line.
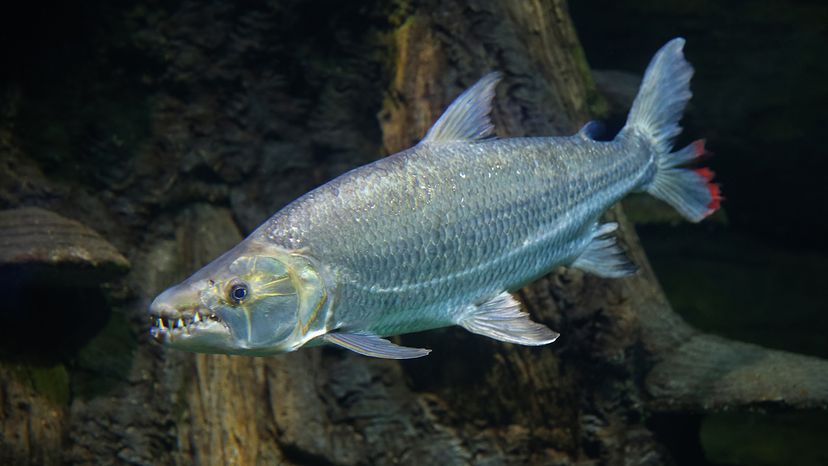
x=442 y=225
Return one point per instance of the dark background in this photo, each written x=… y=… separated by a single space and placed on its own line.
x=755 y=272
x=759 y=96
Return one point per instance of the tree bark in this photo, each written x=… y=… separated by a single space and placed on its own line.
x=232 y=139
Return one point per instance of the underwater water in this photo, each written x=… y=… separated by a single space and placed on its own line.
x=754 y=275
x=140 y=140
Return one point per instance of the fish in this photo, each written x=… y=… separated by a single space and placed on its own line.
x=443 y=233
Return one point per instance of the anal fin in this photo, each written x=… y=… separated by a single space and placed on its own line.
x=602 y=255
x=374 y=346
x=504 y=319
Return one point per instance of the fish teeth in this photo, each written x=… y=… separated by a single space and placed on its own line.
x=165 y=325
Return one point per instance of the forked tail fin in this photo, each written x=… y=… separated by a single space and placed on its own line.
x=655 y=116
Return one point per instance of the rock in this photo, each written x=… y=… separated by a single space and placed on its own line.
x=33 y=414
x=39 y=244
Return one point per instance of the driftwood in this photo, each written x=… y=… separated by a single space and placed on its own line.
x=219 y=161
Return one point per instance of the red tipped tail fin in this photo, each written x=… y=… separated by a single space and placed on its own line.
x=690 y=191
x=654 y=116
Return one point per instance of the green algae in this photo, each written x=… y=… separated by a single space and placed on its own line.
x=765 y=439
x=105 y=361
x=48 y=381
x=738 y=287
x=52 y=382
x=730 y=284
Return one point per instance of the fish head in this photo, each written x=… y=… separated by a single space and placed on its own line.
x=256 y=299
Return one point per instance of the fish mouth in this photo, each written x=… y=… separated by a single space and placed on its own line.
x=167 y=323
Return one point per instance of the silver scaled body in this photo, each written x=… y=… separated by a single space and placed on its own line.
x=441 y=233
x=415 y=238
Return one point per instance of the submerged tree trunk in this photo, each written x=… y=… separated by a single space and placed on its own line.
x=252 y=107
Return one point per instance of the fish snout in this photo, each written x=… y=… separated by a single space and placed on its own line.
x=177 y=309
x=167 y=305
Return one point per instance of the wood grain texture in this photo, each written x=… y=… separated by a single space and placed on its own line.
x=32 y=423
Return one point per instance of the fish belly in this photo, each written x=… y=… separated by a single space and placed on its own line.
x=417 y=237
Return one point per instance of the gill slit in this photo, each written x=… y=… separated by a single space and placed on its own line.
x=270 y=295
x=249 y=324
x=278 y=280
x=306 y=326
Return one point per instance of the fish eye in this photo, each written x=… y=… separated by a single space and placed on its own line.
x=237 y=292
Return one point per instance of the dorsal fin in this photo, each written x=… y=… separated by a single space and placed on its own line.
x=467 y=118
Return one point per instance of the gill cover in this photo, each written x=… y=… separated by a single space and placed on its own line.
x=281 y=305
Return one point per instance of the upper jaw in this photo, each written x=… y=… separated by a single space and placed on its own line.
x=171 y=323
x=176 y=312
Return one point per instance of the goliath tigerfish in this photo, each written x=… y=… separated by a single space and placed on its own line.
x=442 y=233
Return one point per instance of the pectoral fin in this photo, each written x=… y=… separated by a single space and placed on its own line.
x=374 y=346
x=602 y=255
x=503 y=318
